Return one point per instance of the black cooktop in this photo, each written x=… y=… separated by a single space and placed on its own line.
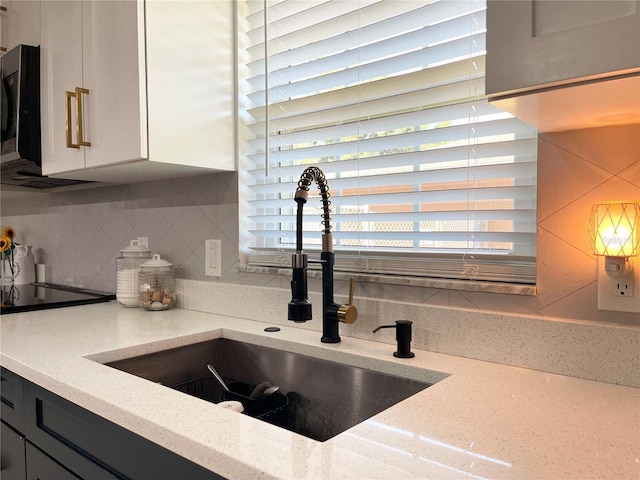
x=41 y=296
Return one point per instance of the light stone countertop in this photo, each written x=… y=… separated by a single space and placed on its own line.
x=481 y=420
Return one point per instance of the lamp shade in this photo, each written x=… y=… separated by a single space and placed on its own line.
x=614 y=229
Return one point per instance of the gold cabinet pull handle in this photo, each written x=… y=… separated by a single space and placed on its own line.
x=67 y=103
x=79 y=118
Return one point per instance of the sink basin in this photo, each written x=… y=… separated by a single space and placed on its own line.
x=317 y=398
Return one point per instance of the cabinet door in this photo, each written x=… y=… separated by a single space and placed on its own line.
x=538 y=43
x=190 y=68
x=61 y=71
x=97 y=46
x=114 y=73
x=22 y=23
x=12 y=399
x=12 y=456
x=96 y=449
x=42 y=467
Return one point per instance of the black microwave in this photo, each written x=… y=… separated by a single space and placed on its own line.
x=20 y=106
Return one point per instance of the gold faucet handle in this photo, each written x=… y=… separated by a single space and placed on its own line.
x=348 y=313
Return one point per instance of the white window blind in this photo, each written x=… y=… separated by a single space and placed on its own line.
x=387 y=98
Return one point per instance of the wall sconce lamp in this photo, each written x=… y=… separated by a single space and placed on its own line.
x=614 y=233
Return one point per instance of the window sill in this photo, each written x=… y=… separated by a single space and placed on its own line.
x=441 y=283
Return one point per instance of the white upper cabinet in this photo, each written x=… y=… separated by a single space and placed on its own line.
x=20 y=23
x=86 y=63
x=564 y=65
x=135 y=90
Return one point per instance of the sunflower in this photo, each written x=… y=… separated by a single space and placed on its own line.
x=8 y=231
x=5 y=244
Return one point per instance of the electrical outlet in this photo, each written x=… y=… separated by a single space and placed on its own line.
x=617 y=294
x=622 y=286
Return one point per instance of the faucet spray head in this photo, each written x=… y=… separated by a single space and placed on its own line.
x=300 y=310
x=299 y=306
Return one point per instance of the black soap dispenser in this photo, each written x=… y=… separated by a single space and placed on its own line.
x=403 y=337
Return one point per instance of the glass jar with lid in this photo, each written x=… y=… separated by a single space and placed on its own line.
x=127 y=268
x=157 y=284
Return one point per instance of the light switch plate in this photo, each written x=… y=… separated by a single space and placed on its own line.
x=611 y=298
x=213 y=258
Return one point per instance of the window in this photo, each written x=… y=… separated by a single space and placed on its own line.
x=387 y=98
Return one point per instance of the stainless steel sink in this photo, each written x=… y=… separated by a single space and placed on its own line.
x=317 y=398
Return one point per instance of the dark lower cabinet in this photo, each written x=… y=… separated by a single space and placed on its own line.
x=43 y=467
x=12 y=439
x=12 y=399
x=12 y=454
x=64 y=441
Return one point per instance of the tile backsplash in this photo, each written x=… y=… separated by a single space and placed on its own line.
x=80 y=233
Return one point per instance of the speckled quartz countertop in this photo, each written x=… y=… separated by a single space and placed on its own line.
x=482 y=420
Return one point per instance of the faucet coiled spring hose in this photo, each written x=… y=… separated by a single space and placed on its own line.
x=302 y=192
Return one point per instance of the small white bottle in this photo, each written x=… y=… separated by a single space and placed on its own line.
x=25 y=265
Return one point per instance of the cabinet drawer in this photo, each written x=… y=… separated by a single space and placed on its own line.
x=95 y=448
x=65 y=434
x=12 y=462
x=43 y=467
x=12 y=399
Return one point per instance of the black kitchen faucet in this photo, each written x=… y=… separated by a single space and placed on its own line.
x=300 y=306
